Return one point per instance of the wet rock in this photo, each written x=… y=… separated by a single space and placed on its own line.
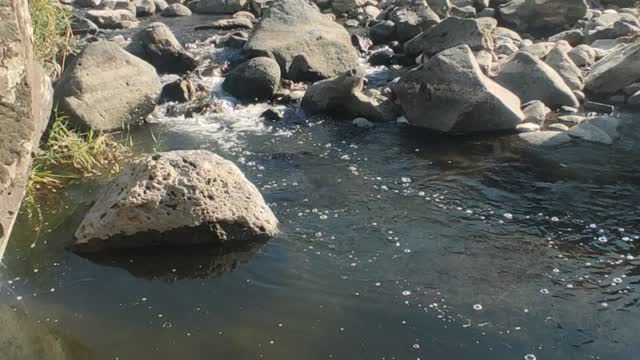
x=542 y=17
x=175 y=10
x=452 y=32
x=26 y=99
x=177 y=198
x=181 y=90
x=343 y=96
x=273 y=114
x=449 y=93
x=157 y=45
x=258 y=78
x=546 y=138
x=220 y=6
x=106 y=88
x=145 y=7
x=382 y=57
x=294 y=30
x=532 y=79
x=112 y=19
x=382 y=32
x=560 y=61
x=615 y=71
x=363 y=123
x=603 y=129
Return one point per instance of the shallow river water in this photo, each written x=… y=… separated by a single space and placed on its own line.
x=396 y=244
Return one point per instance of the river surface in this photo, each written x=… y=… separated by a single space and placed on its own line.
x=395 y=244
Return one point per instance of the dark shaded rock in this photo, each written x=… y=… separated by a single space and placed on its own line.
x=180 y=90
x=157 y=45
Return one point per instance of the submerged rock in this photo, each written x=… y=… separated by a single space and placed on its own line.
x=294 y=31
x=343 y=96
x=176 y=198
x=449 y=93
x=258 y=78
x=106 y=88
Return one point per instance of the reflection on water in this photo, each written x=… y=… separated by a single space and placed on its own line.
x=396 y=244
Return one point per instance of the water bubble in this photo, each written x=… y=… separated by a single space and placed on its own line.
x=617 y=280
x=555 y=219
x=405 y=179
x=603 y=239
x=593 y=226
x=544 y=291
x=508 y=216
x=529 y=357
x=416 y=346
x=477 y=307
x=406 y=293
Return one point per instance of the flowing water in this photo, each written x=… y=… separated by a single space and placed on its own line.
x=396 y=244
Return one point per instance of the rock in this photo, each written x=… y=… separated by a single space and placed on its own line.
x=615 y=71
x=558 y=127
x=485 y=61
x=295 y=31
x=177 y=198
x=612 y=26
x=538 y=50
x=542 y=17
x=258 y=78
x=220 y=6
x=452 y=32
x=527 y=127
x=574 y=37
x=546 y=138
x=559 y=61
x=631 y=88
x=227 y=24
x=181 y=90
x=343 y=96
x=411 y=18
x=441 y=7
x=583 y=55
x=175 y=10
x=352 y=23
x=532 y=79
x=157 y=45
x=579 y=95
x=87 y=3
x=463 y=11
x=145 y=7
x=273 y=114
x=449 y=93
x=82 y=26
x=571 y=119
x=382 y=57
x=26 y=98
x=535 y=112
x=112 y=19
x=160 y=4
x=634 y=99
x=363 y=123
x=106 y=88
x=343 y=6
x=603 y=129
x=382 y=32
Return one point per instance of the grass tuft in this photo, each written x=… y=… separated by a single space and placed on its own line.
x=52 y=36
x=68 y=154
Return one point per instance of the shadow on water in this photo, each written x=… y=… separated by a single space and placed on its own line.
x=174 y=264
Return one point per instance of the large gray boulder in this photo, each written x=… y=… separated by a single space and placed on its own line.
x=531 y=79
x=615 y=71
x=25 y=105
x=542 y=17
x=221 y=6
x=612 y=26
x=176 y=198
x=256 y=79
x=452 y=32
x=343 y=96
x=559 y=60
x=294 y=32
x=106 y=88
x=157 y=45
x=449 y=93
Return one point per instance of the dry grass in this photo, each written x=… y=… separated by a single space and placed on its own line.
x=52 y=36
